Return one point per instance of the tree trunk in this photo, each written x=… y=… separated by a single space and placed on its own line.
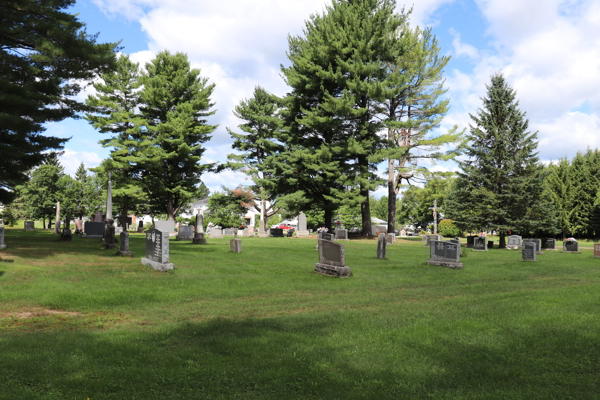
x=124 y=217
x=391 y=222
x=366 y=214
x=170 y=210
x=44 y=222
x=502 y=243
x=328 y=218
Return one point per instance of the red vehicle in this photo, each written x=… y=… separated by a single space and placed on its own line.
x=284 y=226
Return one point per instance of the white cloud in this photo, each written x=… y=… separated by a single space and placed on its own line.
x=71 y=159
x=460 y=48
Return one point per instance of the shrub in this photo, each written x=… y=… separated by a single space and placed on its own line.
x=448 y=229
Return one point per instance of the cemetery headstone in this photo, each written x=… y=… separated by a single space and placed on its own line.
x=445 y=254
x=382 y=243
x=109 y=235
x=390 y=238
x=549 y=244
x=235 y=245
x=29 y=225
x=331 y=259
x=216 y=233
x=200 y=223
x=513 y=242
x=140 y=228
x=324 y=236
x=480 y=244
x=66 y=232
x=571 y=246
x=157 y=250
x=490 y=244
x=596 y=250
x=537 y=243
x=2 y=244
x=93 y=230
x=471 y=240
x=430 y=238
x=290 y=232
x=228 y=232
x=57 y=221
x=165 y=226
x=261 y=229
x=124 y=245
x=199 y=234
x=302 y=231
x=276 y=232
x=528 y=251
x=341 y=234
x=186 y=232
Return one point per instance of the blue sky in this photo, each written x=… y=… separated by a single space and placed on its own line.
x=549 y=51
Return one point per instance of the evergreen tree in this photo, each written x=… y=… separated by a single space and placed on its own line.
x=43 y=190
x=559 y=186
x=501 y=179
x=167 y=151
x=261 y=128
x=45 y=52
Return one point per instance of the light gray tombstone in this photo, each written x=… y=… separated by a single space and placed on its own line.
x=341 y=234
x=331 y=259
x=261 y=229
x=324 y=236
x=549 y=244
x=444 y=254
x=200 y=223
x=302 y=231
x=165 y=226
x=118 y=230
x=157 y=250
x=186 y=232
x=382 y=243
x=429 y=238
x=235 y=245
x=514 y=242
x=29 y=225
x=528 y=251
x=537 y=243
x=571 y=246
x=199 y=234
x=216 y=233
x=228 y=232
x=93 y=230
x=124 y=245
x=57 y=221
x=2 y=244
x=480 y=244
x=390 y=238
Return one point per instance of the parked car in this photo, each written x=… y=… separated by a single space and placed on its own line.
x=284 y=226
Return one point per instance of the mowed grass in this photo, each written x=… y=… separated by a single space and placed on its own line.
x=78 y=322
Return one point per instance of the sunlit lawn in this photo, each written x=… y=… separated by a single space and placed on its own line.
x=78 y=322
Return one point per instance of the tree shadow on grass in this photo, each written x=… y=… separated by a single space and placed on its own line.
x=294 y=357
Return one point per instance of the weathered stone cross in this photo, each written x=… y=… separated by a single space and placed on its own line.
x=435 y=209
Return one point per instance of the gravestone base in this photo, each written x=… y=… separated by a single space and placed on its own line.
x=529 y=260
x=157 y=265
x=109 y=246
x=302 y=234
x=199 y=239
x=263 y=235
x=446 y=264
x=124 y=253
x=92 y=236
x=331 y=270
x=188 y=238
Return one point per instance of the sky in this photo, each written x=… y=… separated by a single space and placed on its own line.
x=548 y=51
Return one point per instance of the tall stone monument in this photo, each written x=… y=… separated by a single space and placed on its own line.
x=382 y=246
x=302 y=231
x=124 y=245
x=57 y=222
x=2 y=244
x=157 y=251
x=199 y=234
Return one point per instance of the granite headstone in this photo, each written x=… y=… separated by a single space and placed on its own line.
x=445 y=254
x=157 y=250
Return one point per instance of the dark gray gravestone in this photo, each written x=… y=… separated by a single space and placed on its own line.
x=185 y=233
x=537 y=243
x=199 y=238
x=571 y=246
x=341 y=234
x=235 y=245
x=109 y=235
x=382 y=246
x=276 y=232
x=445 y=254
x=29 y=225
x=290 y=232
x=331 y=259
x=528 y=251
x=140 y=228
x=490 y=244
x=93 y=230
x=549 y=244
x=124 y=245
x=157 y=250
x=480 y=244
x=324 y=236
x=514 y=242
x=2 y=244
x=471 y=240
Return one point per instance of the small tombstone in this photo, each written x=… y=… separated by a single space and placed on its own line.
x=228 y=232
x=490 y=244
x=445 y=254
x=571 y=246
x=302 y=231
x=537 y=243
x=157 y=250
x=235 y=245
x=596 y=250
x=290 y=232
x=124 y=245
x=93 y=230
x=331 y=259
x=341 y=234
x=513 y=242
x=216 y=233
x=140 y=228
x=549 y=244
x=429 y=238
x=185 y=233
x=276 y=232
x=2 y=244
x=29 y=225
x=471 y=240
x=390 y=238
x=528 y=251
x=382 y=243
x=480 y=244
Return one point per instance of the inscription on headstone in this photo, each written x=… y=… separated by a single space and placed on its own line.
x=444 y=254
x=528 y=251
x=157 y=250
x=549 y=244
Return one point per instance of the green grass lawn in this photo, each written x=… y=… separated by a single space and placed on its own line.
x=77 y=322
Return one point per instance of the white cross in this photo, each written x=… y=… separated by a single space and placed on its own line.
x=434 y=208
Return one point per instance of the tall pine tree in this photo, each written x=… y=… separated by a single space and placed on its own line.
x=500 y=181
